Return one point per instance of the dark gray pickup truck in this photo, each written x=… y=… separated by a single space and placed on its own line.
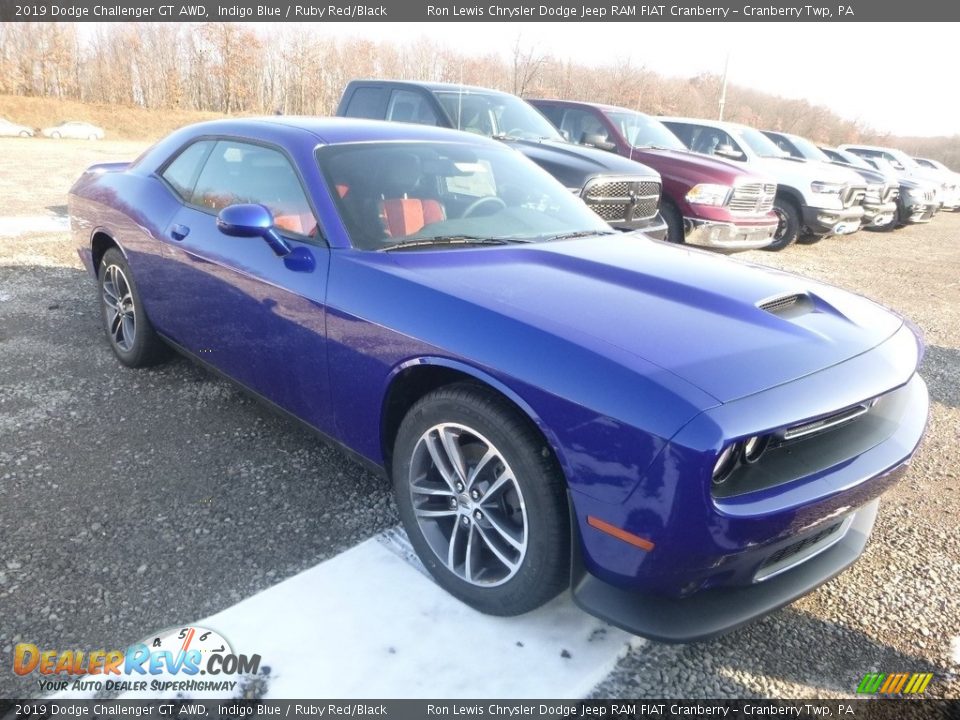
x=623 y=192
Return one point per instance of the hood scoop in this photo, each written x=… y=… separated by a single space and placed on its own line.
x=788 y=306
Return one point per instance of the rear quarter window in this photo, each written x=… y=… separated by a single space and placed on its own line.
x=182 y=173
x=367 y=102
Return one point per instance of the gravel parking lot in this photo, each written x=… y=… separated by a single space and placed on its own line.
x=134 y=500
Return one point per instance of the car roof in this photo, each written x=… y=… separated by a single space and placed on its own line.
x=720 y=124
x=583 y=103
x=336 y=130
x=428 y=85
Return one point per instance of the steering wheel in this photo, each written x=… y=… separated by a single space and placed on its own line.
x=472 y=207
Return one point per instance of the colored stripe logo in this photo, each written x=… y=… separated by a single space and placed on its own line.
x=894 y=683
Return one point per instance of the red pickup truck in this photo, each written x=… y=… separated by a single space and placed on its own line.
x=705 y=201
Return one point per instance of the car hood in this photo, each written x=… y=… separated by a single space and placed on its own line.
x=573 y=164
x=814 y=170
x=690 y=312
x=696 y=168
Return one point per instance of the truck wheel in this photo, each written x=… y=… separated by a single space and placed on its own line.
x=810 y=239
x=788 y=224
x=674 y=221
x=482 y=500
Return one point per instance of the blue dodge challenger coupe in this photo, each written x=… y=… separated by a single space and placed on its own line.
x=685 y=441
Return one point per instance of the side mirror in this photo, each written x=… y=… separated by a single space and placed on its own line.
x=565 y=134
x=727 y=151
x=250 y=220
x=598 y=141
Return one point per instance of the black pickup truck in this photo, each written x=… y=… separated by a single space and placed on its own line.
x=623 y=192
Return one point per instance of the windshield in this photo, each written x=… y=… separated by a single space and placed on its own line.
x=403 y=193
x=759 y=143
x=496 y=115
x=808 y=150
x=643 y=131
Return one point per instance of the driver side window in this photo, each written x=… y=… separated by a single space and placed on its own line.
x=707 y=140
x=238 y=172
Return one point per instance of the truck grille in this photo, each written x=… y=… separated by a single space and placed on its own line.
x=752 y=199
x=892 y=193
x=623 y=200
x=853 y=195
x=874 y=194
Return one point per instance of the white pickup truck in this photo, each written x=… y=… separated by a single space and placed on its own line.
x=814 y=200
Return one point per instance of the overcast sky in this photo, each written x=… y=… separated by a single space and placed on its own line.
x=896 y=77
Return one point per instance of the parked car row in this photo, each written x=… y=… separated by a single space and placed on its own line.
x=72 y=129
x=703 y=182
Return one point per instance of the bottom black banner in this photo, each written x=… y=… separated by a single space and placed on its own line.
x=178 y=709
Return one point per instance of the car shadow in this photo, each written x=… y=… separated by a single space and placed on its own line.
x=941 y=370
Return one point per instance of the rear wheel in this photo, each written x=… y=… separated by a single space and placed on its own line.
x=131 y=335
x=482 y=500
x=24 y=133
x=673 y=219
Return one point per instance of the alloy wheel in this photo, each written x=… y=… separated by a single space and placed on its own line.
x=121 y=313
x=468 y=504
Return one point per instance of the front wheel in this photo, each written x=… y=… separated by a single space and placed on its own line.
x=674 y=221
x=55 y=135
x=788 y=224
x=131 y=335
x=482 y=500
x=810 y=239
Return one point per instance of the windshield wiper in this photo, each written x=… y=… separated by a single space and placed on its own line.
x=579 y=234
x=461 y=240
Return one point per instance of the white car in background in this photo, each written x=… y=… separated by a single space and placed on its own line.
x=74 y=129
x=11 y=129
x=951 y=181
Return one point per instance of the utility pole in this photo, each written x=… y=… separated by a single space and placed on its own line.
x=723 y=89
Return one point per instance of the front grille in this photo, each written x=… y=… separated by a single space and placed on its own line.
x=623 y=200
x=874 y=194
x=752 y=199
x=853 y=195
x=892 y=193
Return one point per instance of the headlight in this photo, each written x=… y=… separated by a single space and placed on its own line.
x=754 y=447
x=826 y=188
x=708 y=194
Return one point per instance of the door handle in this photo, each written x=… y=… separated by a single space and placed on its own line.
x=179 y=232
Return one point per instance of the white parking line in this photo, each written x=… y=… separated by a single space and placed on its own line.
x=13 y=226
x=369 y=623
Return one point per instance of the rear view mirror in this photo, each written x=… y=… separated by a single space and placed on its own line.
x=727 y=151
x=598 y=141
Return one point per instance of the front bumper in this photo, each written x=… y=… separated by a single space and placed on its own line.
x=727 y=236
x=720 y=610
x=917 y=211
x=654 y=227
x=823 y=221
x=879 y=214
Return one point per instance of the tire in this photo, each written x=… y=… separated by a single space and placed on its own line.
x=673 y=219
x=519 y=488
x=788 y=229
x=55 y=135
x=24 y=134
x=129 y=331
x=809 y=239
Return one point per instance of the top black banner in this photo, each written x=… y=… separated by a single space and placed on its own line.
x=473 y=11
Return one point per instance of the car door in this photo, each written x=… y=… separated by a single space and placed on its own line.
x=255 y=316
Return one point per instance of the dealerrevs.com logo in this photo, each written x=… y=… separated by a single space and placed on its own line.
x=170 y=662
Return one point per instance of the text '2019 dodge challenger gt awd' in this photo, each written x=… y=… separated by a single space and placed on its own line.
x=685 y=441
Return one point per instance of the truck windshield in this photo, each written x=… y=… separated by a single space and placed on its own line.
x=808 y=150
x=642 y=131
x=447 y=195
x=496 y=115
x=760 y=143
